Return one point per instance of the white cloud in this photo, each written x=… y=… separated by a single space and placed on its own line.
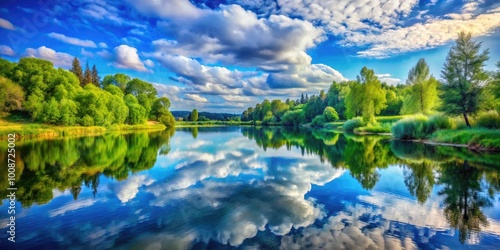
x=432 y=33
x=105 y=54
x=128 y=189
x=86 y=53
x=6 y=24
x=195 y=97
x=315 y=75
x=103 y=45
x=236 y=36
x=58 y=58
x=126 y=57
x=6 y=50
x=388 y=79
x=72 y=40
x=72 y=206
x=149 y=63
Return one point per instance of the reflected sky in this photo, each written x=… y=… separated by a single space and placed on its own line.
x=255 y=188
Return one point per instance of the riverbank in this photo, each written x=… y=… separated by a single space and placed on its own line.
x=24 y=129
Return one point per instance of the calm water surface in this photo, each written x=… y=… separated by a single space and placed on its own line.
x=250 y=188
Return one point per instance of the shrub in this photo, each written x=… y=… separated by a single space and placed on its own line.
x=353 y=123
x=87 y=121
x=293 y=118
x=376 y=129
x=489 y=120
x=438 y=122
x=411 y=128
x=318 y=121
x=330 y=114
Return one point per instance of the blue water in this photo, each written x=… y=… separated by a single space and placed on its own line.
x=251 y=188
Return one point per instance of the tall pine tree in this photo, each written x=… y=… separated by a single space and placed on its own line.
x=464 y=75
x=76 y=68
x=87 y=76
x=95 y=76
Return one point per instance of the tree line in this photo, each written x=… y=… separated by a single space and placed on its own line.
x=75 y=97
x=465 y=89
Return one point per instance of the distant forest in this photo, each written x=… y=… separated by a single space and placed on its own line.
x=211 y=116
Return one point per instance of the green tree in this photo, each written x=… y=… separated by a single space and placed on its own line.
x=76 y=68
x=278 y=108
x=95 y=76
x=422 y=95
x=119 y=80
x=11 y=96
x=137 y=113
x=330 y=114
x=367 y=97
x=87 y=76
x=144 y=91
x=463 y=76
x=194 y=115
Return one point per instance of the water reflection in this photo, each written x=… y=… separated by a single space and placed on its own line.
x=272 y=188
x=69 y=164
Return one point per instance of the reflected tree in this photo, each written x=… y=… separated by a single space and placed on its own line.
x=67 y=164
x=464 y=198
x=419 y=179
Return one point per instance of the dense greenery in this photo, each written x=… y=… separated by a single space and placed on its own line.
x=60 y=97
x=466 y=90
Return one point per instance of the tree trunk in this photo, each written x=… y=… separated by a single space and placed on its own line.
x=466 y=120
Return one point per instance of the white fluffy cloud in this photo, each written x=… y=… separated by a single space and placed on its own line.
x=72 y=40
x=86 y=53
x=6 y=24
x=126 y=57
x=388 y=79
x=103 y=45
x=6 y=50
x=233 y=35
x=195 y=97
x=58 y=58
x=126 y=190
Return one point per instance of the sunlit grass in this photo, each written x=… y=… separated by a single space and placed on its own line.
x=475 y=137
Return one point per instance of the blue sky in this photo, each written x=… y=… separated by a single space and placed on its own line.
x=228 y=55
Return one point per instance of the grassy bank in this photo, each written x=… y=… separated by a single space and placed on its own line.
x=184 y=124
x=475 y=138
x=25 y=129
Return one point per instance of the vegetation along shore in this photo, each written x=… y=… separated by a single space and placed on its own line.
x=460 y=108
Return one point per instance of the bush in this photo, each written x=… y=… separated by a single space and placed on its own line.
x=318 y=121
x=87 y=121
x=411 y=128
x=353 y=123
x=489 y=120
x=375 y=129
x=438 y=122
x=330 y=114
x=292 y=118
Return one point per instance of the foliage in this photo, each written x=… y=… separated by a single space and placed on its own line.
x=293 y=117
x=11 y=96
x=475 y=137
x=411 y=128
x=353 y=123
x=378 y=128
x=330 y=114
x=421 y=96
x=464 y=76
x=489 y=120
x=194 y=115
x=367 y=97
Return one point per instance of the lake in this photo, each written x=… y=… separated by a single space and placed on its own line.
x=250 y=188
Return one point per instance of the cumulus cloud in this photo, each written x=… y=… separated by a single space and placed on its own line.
x=315 y=75
x=127 y=190
x=58 y=58
x=86 y=53
x=6 y=50
x=236 y=36
x=72 y=40
x=103 y=45
x=388 y=79
x=72 y=206
x=126 y=57
x=426 y=35
x=149 y=63
x=6 y=24
x=195 y=97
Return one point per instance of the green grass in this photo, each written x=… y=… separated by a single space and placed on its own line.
x=210 y=123
x=26 y=129
x=379 y=128
x=478 y=138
